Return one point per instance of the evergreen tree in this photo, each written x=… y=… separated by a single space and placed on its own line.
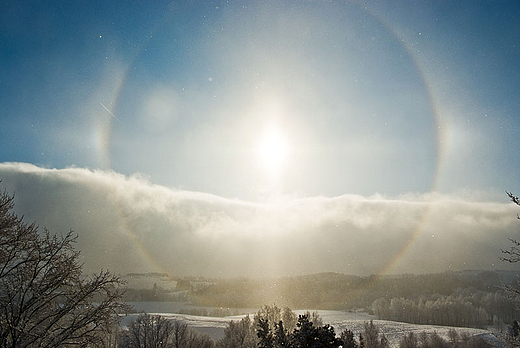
x=302 y=336
x=281 y=336
x=264 y=334
x=347 y=338
x=306 y=335
x=325 y=337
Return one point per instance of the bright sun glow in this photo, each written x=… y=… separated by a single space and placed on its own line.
x=273 y=150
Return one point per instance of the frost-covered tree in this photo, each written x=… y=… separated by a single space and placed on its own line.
x=239 y=334
x=45 y=300
x=155 y=331
x=434 y=340
x=149 y=331
x=348 y=340
x=372 y=338
x=270 y=314
x=289 y=319
x=513 y=255
x=262 y=333
x=409 y=340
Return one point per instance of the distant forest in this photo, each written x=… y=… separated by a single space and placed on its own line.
x=469 y=299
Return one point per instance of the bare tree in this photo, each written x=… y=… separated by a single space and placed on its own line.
x=148 y=331
x=409 y=340
x=372 y=337
x=181 y=334
x=44 y=299
x=289 y=319
x=155 y=331
x=201 y=340
x=239 y=334
x=513 y=255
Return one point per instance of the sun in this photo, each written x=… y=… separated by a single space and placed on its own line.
x=273 y=150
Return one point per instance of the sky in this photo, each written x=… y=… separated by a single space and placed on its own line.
x=190 y=133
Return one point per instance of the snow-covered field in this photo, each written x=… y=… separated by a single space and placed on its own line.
x=212 y=326
x=354 y=321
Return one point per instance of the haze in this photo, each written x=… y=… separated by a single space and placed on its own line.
x=265 y=138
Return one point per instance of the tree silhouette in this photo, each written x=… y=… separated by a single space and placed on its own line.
x=155 y=331
x=45 y=300
x=149 y=331
x=307 y=335
x=282 y=338
x=348 y=340
x=513 y=255
x=264 y=334
x=303 y=335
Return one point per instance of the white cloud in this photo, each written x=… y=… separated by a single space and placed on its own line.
x=127 y=224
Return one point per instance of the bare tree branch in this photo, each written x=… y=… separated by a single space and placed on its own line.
x=44 y=299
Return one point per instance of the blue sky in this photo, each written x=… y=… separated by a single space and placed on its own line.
x=363 y=93
x=371 y=137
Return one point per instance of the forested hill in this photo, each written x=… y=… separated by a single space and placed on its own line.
x=323 y=290
x=339 y=291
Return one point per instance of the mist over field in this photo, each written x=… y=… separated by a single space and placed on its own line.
x=127 y=224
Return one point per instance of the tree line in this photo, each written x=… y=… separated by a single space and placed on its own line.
x=330 y=290
x=272 y=327
x=479 y=310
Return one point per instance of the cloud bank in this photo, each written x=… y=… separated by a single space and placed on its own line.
x=127 y=224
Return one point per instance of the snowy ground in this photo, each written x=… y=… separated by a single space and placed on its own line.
x=212 y=326
x=354 y=321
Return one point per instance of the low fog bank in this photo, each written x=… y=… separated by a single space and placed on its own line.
x=127 y=224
